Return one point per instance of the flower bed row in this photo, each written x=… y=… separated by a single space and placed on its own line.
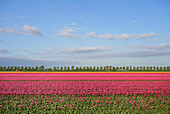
x=84 y=88
x=84 y=104
x=84 y=76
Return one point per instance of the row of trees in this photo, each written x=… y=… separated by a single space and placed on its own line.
x=72 y=68
x=18 y=68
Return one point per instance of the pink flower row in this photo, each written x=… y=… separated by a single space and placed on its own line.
x=85 y=76
x=85 y=88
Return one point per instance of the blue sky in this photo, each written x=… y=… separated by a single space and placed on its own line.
x=84 y=32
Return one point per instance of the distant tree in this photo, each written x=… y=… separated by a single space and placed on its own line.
x=58 y=68
x=49 y=69
x=160 y=68
x=147 y=68
x=117 y=68
x=36 y=68
x=140 y=68
x=77 y=68
x=11 y=68
x=64 y=68
x=41 y=68
x=137 y=68
x=54 y=68
x=127 y=68
x=72 y=68
x=134 y=68
x=114 y=69
x=104 y=68
x=107 y=68
x=154 y=68
x=22 y=68
x=91 y=68
x=0 y=68
x=80 y=68
x=101 y=68
x=168 y=68
x=61 y=68
x=94 y=68
x=26 y=68
x=97 y=68
x=68 y=68
x=87 y=68
x=8 y=68
x=123 y=67
x=4 y=68
x=84 y=68
x=150 y=68
x=29 y=68
x=144 y=69
x=18 y=68
x=165 y=68
x=130 y=68
x=32 y=69
x=110 y=68
x=157 y=68
x=15 y=68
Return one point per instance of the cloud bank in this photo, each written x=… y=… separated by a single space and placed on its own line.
x=67 y=33
x=121 y=36
x=31 y=30
x=83 y=50
x=26 y=30
x=141 y=51
x=3 y=51
x=8 y=61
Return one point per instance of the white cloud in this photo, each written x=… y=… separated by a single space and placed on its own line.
x=26 y=30
x=134 y=21
x=121 y=36
x=141 y=51
x=137 y=53
x=31 y=30
x=10 y=30
x=3 y=51
x=67 y=33
x=73 y=24
x=47 y=49
x=83 y=49
x=152 y=47
x=145 y=35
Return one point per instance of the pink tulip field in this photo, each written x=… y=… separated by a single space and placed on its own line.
x=84 y=92
x=84 y=76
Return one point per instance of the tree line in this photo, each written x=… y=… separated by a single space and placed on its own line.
x=85 y=68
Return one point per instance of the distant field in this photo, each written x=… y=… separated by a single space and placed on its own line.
x=84 y=92
x=83 y=76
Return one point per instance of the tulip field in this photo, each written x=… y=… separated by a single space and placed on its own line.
x=28 y=92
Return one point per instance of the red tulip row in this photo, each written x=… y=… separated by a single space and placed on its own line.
x=85 y=88
x=84 y=76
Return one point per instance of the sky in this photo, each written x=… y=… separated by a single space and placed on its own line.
x=84 y=32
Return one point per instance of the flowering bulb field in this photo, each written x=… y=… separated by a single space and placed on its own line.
x=85 y=92
x=84 y=76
